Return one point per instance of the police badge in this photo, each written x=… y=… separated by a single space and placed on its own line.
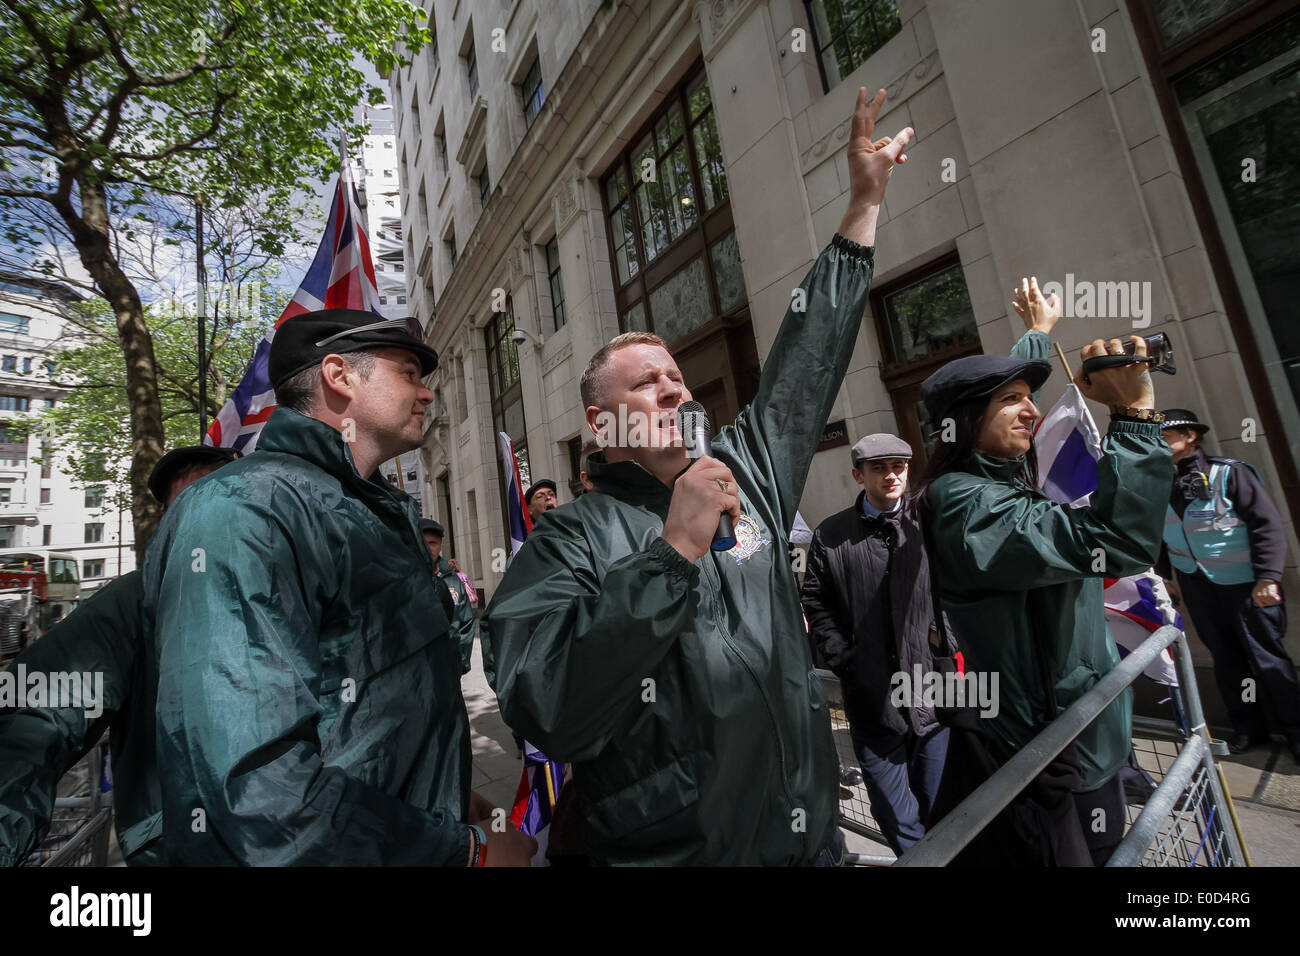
x=749 y=539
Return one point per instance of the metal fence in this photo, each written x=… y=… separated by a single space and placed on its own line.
x=79 y=825
x=1188 y=821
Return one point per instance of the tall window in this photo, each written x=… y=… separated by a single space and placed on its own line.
x=673 y=245
x=450 y=245
x=471 y=71
x=440 y=141
x=95 y=496
x=45 y=496
x=533 y=93
x=553 y=277
x=94 y=532
x=846 y=32
x=10 y=363
x=47 y=533
x=27 y=365
x=505 y=388
x=444 y=505
x=484 y=186
x=924 y=320
x=433 y=52
x=7 y=533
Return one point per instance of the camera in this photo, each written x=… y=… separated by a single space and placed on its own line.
x=518 y=337
x=1160 y=356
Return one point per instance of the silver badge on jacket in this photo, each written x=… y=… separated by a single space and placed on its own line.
x=749 y=539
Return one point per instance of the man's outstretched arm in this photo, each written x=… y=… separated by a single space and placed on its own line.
x=779 y=431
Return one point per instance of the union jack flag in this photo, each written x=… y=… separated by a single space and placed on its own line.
x=341 y=277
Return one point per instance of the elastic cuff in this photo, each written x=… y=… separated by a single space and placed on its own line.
x=1123 y=426
x=855 y=249
x=673 y=561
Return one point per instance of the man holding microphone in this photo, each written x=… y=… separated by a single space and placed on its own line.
x=677 y=679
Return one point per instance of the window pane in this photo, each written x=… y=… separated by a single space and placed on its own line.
x=725 y=255
x=514 y=424
x=649 y=223
x=708 y=150
x=929 y=315
x=1179 y=19
x=679 y=195
x=633 y=319
x=681 y=305
x=697 y=96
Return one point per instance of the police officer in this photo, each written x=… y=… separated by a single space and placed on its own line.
x=456 y=602
x=867 y=598
x=1224 y=539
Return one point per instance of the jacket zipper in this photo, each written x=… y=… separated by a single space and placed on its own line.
x=716 y=578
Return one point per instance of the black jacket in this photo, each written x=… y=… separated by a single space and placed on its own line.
x=867 y=632
x=1251 y=502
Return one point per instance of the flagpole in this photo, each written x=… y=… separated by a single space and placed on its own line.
x=1065 y=363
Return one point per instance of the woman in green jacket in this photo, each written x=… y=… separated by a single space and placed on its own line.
x=1019 y=575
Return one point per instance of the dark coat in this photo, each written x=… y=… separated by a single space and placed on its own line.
x=865 y=633
x=683 y=694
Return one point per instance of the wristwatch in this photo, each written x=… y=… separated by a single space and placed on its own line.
x=1137 y=414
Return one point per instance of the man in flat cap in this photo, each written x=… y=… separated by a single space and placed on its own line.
x=1225 y=541
x=867 y=598
x=104 y=635
x=456 y=602
x=309 y=705
x=540 y=498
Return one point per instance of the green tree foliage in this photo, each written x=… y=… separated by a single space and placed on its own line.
x=107 y=106
x=86 y=431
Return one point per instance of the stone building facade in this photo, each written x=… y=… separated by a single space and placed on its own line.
x=573 y=169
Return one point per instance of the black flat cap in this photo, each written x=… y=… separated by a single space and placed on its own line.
x=178 y=459
x=978 y=376
x=539 y=483
x=431 y=526
x=304 y=340
x=1183 y=418
x=881 y=445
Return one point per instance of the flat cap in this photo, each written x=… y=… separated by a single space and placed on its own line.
x=428 y=524
x=302 y=341
x=1183 y=418
x=178 y=459
x=539 y=483
x=881 y=445
x=978 y=376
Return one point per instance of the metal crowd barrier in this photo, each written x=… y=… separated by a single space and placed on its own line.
x=80 y=823
x=1188 y=821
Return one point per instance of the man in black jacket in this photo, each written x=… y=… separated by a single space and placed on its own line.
x=1224 y=538
x=867 y=598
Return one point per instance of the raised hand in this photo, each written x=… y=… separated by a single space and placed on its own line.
x=870 y=163
x=1040 y=314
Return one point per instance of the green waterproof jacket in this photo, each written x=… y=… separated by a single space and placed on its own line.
x=38 y=745
x=462 y=616
x=1017 y=572
x=683 y=693
x=309 y=705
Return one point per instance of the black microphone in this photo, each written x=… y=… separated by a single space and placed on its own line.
x=693 y=423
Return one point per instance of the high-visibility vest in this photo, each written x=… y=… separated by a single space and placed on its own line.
x=1210 y=535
